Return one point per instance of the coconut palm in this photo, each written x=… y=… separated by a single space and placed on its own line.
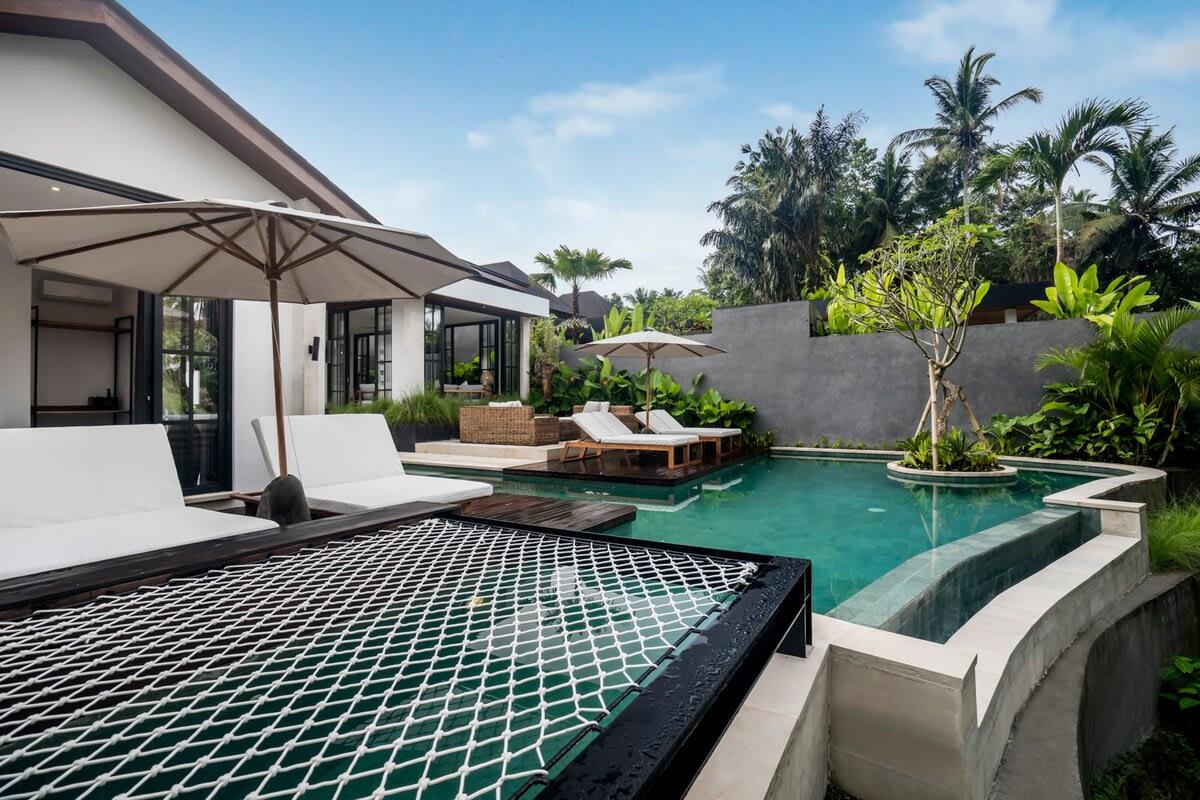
x=965 y=116
x=1091 y=129
x=1150 y=204
x=773 y=221
x=575 y=268
x=886 y=208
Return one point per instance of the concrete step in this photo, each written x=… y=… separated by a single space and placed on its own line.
x=460 y=461
x=453 y=447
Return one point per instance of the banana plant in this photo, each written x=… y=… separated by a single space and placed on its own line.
x=620 y=321
x=1074 y=296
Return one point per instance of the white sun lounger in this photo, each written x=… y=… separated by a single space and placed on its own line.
x=71 y=496
x=725 y=440
x=605 y=432
x=350 y=459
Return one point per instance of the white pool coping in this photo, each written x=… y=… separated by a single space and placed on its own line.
x=891 y=717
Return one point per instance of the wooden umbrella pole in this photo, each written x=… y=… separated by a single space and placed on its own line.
x=648 y=356
x=278 y=373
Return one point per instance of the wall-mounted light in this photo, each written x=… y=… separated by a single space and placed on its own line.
x=314 y=349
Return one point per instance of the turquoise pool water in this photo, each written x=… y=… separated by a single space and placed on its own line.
x=848 y=517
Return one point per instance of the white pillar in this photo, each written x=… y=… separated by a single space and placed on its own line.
x=16 y=364
x=526 y=337
x=314 y=372
x=408 y=346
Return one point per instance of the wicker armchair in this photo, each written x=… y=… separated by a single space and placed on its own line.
x=515 y=425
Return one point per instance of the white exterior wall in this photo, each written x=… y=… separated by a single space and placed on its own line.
x=408 y=346
x=473 y=291
x=54 y=94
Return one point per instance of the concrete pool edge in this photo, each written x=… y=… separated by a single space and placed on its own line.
x=891 y=716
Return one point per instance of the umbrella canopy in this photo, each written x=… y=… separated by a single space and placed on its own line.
x=225 y=248
x=651 y=344
x=234 y=250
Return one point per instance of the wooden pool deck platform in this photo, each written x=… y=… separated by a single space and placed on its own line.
x=574 y=515
x=613 y=467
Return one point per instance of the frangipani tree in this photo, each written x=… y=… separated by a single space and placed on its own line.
x=924 y=287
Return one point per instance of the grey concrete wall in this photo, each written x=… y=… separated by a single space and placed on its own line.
x=868 y=388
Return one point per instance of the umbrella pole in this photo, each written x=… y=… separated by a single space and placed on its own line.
x=278 y=374
x=648 y=356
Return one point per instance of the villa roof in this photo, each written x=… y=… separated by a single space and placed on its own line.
x=117 y=35
x=1013 y=295
x=592 y=304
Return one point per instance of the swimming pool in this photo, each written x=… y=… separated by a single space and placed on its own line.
x=854 y=522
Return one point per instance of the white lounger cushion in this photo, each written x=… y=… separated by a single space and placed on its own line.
x=68 y=544
x=602 y=427
x=402 y=489
x=350 y=459
x=663 y=422
x=51 y=475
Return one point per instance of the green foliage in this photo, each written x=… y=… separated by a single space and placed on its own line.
x=1164 y=767
x=1182 y=682
x=847 y=310
x=420 y=408
x=957 y=452
x=575 y=267
x=620 y=321
x=598 y=379
x=546 y=342
x=1175 y=536
x=682 y=314
x=1073 y=295
x=466 y=371
x=756 y=442
x=1133 y=394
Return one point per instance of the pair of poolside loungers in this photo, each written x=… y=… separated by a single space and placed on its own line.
x=72 y=496
x=605 y=432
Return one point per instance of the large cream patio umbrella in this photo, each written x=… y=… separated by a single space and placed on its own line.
x=234 y=250
x=651 y=344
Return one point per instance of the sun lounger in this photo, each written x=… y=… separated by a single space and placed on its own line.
x=606 y=432
x=71 y=496
x=350 y=459
x=725 y=440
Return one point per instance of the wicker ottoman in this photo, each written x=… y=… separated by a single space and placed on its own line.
x=515 y=425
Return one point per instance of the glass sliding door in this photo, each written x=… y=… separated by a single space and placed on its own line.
x=510 y=355
x=488 y=355
x=435 y=369
x=358 y=354
x=193 y=395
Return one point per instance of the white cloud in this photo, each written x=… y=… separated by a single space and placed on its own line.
x=784 y=112
x=941 y=31
x=1041 y=31
x=596 y=110
x=477 y=140
x=413 y=195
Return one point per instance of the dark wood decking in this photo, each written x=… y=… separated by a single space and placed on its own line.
x=612 y=467
x=572 y=515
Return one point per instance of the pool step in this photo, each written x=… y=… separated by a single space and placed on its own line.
x=460 y=462
x=525 y=455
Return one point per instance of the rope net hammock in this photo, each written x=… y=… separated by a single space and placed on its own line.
x=439 y=659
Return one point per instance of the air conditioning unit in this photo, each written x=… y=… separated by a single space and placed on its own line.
x=71 y=292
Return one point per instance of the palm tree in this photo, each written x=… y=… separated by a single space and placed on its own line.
x=1090 y=129
x=575 y=268
x=773 y=221
x=1149 y=205
x=965 y=115
x=886 y=208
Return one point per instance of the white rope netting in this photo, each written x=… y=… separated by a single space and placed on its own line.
x=440 y=659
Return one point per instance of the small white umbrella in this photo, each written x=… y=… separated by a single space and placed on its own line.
x=235 y=250
x=651 y=344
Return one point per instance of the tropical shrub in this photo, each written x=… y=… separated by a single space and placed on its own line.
x=1174 y=533
x=620 y=321
x=957 y=451
x=599 y=379
x=846 y=310
x=1073 y=295
x=419 y=408
x=682 y=314
x=1133 y=398
x=1181 y=679
x=546 y=342
x=466 y=371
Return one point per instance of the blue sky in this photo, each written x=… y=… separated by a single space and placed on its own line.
x=507 y=128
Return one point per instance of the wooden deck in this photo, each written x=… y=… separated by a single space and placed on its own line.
x=572 y=515
x=612 y=467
